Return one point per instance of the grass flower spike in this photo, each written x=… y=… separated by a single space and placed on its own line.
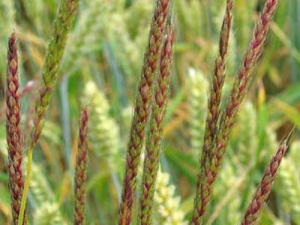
x=80 y=173
x=198 y=108
x=104 y=131
x=66 y=13
x=247 y=138
x=289 y=190
x=242 y=81
x=151 y=162
x=142 y=109
x=13 y=130
x=166 y=203
x=212 y=114
x=43 y=197
x=240 y=87
x=264 y=188
x=288 y=183
x=227 y=120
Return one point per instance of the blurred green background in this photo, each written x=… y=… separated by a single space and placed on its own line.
x=100 y=70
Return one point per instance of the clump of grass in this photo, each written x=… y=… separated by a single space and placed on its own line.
x=142 y=108
x=217 y=140
x=149 y=110
x=203 y=192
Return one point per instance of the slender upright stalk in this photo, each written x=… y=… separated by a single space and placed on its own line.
x=13 y=130
x=212 y=118
x=142 y=108
x=80 y=173
x=151 y=161
x=66 y=13
x=264 y=188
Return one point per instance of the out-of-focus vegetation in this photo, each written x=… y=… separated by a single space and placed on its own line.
x=101 y=68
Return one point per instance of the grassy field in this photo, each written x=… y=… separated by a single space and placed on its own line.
x=100 y=69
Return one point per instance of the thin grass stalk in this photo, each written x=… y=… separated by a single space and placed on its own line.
x=213 y=112
x=13 y=130
x=142 y=108
x=81 y=170
x=151 y=161
x=264 y=188
x=66 y=13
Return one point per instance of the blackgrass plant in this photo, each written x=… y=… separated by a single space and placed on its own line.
x=81 y=167
x=13 y=129
x=66 y=13
x=142 y=109
x=228 y=140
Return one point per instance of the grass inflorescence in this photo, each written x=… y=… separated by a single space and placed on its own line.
x=142 y=108
x=13 y=129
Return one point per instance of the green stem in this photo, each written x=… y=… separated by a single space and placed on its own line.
x=26 y=186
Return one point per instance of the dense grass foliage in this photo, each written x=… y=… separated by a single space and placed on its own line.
x=96 y=55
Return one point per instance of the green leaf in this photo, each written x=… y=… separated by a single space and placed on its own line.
x=3 y=177
x=290 y=112
x=183 y=162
